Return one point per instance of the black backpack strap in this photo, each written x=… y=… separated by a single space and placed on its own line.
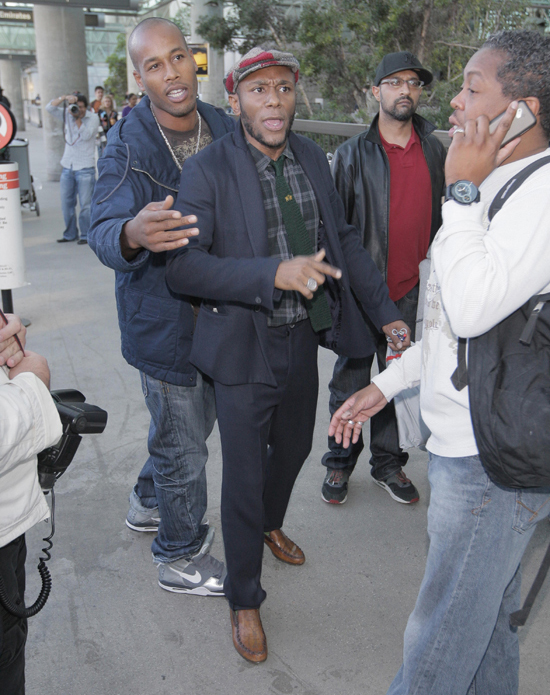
x=459 y=377
x=513 y=184
x=527 y=333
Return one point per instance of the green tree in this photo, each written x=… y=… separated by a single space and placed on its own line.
x=183 y=19
x=344 y=40
x=250 y=23
x=340 y=42
x=117 y=82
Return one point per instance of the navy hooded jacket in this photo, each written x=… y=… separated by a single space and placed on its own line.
x=137 y=168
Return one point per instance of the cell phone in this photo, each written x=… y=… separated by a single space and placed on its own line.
x=524 y=120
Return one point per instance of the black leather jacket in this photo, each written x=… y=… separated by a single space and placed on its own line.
x=361 y=172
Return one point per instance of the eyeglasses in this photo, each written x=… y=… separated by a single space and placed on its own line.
x=397 y=82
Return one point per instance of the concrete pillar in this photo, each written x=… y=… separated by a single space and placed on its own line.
x=10 y=80
x=211 y=91
x=62 y=65
x=131 y=82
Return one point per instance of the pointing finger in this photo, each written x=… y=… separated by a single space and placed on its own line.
x=327 y=269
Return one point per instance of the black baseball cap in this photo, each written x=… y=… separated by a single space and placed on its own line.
x=395 y=62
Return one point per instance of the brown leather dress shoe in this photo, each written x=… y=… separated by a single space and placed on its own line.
x=248 y=634
x=283 y=548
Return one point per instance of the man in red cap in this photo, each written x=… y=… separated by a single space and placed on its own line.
x=275 y=263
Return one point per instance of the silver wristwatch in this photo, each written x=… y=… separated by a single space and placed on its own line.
x=463 y=192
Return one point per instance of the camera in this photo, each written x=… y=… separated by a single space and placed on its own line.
x=77 y=418
x=74 y=110
x=103 y=117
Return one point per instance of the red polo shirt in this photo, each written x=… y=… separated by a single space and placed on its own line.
x=410 y=214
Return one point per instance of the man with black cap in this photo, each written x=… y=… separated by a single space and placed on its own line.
x=391 y=181
x=275 y=263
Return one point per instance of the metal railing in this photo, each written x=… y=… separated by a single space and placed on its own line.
x=329 y=135
x=32 y=113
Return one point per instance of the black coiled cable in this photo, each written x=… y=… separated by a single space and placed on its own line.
x=45 y=575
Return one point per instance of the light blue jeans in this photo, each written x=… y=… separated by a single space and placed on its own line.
x=79 y=182
x=458 y=639
x=174 y=477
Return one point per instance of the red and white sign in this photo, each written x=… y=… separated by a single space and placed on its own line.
x=7 y=126
x=12 y=256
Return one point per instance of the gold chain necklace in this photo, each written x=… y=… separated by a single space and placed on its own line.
x=166 y=139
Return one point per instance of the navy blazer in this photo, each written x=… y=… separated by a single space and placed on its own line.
x=229 y=265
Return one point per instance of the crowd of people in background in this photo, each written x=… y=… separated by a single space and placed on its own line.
x=85 y=133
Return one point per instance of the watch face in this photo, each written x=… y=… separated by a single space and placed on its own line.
x=465 y=191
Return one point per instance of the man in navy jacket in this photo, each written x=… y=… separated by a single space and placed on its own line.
x=133 y=226
x=255 y=334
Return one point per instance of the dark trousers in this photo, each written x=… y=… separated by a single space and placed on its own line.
x=13 y=631
x=266 y=434
x=349 y=376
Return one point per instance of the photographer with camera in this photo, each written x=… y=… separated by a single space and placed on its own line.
x=78 y=175
x=29 y=422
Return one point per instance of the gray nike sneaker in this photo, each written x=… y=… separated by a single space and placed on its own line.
x=201 y=575
x=146 y=520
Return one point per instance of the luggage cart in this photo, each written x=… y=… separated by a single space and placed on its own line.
x=19 y=152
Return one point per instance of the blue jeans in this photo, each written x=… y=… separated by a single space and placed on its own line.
x=349 y=376
x=458 y=639
x=174 y=477
x=79 y=182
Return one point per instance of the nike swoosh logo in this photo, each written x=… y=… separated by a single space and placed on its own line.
x=195 y=579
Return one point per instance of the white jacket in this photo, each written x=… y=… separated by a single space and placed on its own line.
x=29 y=423
x=480 y=274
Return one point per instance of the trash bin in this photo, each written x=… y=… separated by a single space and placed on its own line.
x=19 y=152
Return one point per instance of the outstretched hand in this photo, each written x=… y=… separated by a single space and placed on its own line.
x=347 y=421
x=155 y=228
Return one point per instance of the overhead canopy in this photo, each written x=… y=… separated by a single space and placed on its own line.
x=99 y=4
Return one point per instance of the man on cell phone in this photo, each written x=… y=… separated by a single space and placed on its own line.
x=458 y=639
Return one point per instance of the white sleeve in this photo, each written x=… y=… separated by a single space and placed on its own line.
x=29 y=421
x=55 y=111
x=485 y=275
x=402 y=373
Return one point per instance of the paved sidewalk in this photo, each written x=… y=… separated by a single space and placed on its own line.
x=334 y=625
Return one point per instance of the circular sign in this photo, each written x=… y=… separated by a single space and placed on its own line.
x=8 y=126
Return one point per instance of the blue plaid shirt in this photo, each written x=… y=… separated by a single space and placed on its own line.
x=290 y=308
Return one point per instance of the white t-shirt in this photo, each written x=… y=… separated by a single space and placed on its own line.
x=478 y=277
